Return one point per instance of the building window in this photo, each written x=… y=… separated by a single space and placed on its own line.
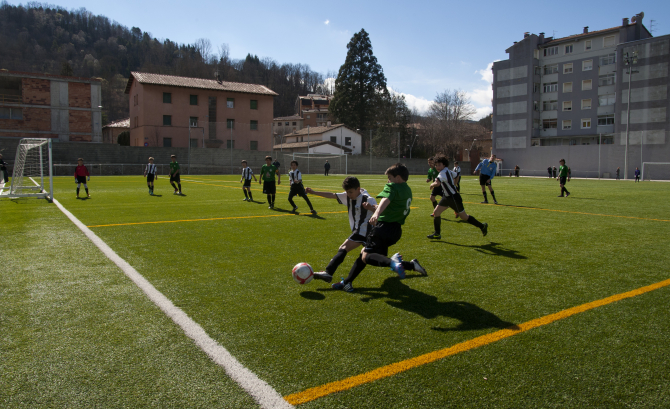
x=608 y=41
x=253 y=145
x=230 y=103
x=549 y=124
x=254 y=104
x=587 y=85
x=607 y=99
x=549 y=105
x=567 y=87
x=607 y=79
x=573 y=142
x=606 y=119
x=347 y=140
x=550 y=87
x=230 y=124
x=587 y=45
x=229 y=143
x=253 y=125
x=567 y=105
x=587 y=65
x=586 y=123
x=167 y=120
x=194 y=99
x=167 y=142
x=538 y=70
x=536 y=106
x=137 y=122
x=536 y=53
x=193 y=121
x=333 y=139
x=608 y=59
x=586 y=103
x=11 y=113
x=568 y=49
x=567 y=124
x=294 y=123
x=550 y=69
x=567 y=68
x=167 y=98
x=550 y=51
x=536 y=87
x=194 y=142
x=135 y=100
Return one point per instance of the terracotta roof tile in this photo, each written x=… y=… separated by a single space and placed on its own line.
x=316 y=130
x=590 y=33
x=311 y=144
x=186 y=82
x=288 y=118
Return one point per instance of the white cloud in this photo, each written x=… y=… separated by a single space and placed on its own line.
x=481 y=97
x=326 y=22
x=421 y=104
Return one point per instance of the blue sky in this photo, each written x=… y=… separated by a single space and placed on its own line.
x=424 y=47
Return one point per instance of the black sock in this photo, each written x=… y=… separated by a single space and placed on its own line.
x=173 y=186
x=290 y=200
x=308 y=202
x=566 y=190
x=245 y=193
x=86 y=190
x=356 y=269
x=273 y=200
x=77 y=191
x=179 y=184
x=378 y=260
x=336 y=261
x=434 y=204
x=408 y=265
x=269 y=200
x=486 y=199
x=437 y=223
x=250 y=196
x=474 y=222
x=493 y=195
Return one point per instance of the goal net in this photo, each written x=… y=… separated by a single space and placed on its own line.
x=32 y=175
x=655 y=170
x=314 y=163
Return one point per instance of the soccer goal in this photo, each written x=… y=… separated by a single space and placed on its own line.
x=657 y=170
x=32 y=174
x=315 y=162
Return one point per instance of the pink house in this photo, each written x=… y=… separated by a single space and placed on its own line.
x=166 y=110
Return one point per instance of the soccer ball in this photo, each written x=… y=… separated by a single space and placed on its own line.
x=302 y=273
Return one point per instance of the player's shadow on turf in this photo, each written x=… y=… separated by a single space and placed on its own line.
x=406 y=298
x=312 y=295
x=492 y=249
x=155 y=195
x=83 y=198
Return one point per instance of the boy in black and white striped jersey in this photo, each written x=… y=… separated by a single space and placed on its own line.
x=247 y=173
x=150 y=174
x=297 y=189
x=355 y=198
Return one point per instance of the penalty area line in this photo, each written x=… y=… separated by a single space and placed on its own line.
x=259 y=390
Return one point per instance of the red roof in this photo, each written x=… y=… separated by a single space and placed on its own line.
x=186 y=82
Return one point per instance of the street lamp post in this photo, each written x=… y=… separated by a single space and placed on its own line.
x=628 y=60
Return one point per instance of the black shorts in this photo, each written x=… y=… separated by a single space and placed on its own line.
x=357 y=238
x=297 y=189
x=382 y=236
x=484 y=180
x=81 y=179
x=247 y=183
x=455 y=202
x=562 y=180
x=150 y=177
x=437 y=191
x=175 y=178
x=269 y=187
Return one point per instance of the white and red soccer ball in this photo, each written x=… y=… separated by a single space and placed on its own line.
x=302 y=273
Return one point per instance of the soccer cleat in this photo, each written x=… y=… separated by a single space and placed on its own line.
x=485 y=202
x=269 y=207
x=560 y=196
x=418 y=268
x=434 y=236
x=495 y=201
x=87 y=195
x=323 y=276
x=295 y=209
x=485 y=229
x=398 y=268
x=397 y=258
x=341 y=286
x=567 y=194
x=245 y=199
x=175 y=192
x=313 y=211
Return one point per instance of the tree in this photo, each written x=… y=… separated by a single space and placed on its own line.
x=123 y=139
x=360 y=87
x=446 y=125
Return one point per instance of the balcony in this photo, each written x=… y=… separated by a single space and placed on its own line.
x=10 y=99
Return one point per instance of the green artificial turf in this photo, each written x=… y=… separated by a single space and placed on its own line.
x=76 y=332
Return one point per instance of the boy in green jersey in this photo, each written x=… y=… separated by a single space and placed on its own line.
x=267 y=178
x=387 y=220
x=174 y=174
x=432 y=174
x=562 y=176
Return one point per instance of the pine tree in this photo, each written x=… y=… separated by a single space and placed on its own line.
x=360 y=87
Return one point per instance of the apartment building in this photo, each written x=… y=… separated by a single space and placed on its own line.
x=173 y=111
x=313 y=109
x=329 y=139
x=568 y=98
x=50 y=106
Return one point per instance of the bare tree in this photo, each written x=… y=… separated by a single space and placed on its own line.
x=204 y=47
x=445 y=125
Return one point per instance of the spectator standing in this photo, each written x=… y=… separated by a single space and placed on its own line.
x=327 y=168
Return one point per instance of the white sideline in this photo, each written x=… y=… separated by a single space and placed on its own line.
x=262 y=393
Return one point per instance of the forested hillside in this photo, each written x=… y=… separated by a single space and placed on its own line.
x=44 y=38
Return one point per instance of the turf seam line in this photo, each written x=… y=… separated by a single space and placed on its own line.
x=411 y=363
x=259 y=390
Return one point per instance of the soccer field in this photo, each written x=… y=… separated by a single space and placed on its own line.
x=542 y=312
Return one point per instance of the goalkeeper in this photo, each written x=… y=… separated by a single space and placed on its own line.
x=81 y=175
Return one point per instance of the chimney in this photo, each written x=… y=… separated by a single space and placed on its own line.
x=541 y=39
x=625 y=22
x=526 y=34
x=328 y=124
x=586 y=29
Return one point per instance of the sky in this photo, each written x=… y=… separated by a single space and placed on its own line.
x=424 y=47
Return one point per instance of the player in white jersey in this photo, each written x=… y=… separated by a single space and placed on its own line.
x=247 y=174
x=451 y=199
x=150 y=174
x=457 y=179
x=356 y=200
x=297 y=189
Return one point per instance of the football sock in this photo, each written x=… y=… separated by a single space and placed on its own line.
x=408 y=265
x=245 y=193
x=356 y=269
x=434 y=204
x=77 y=191
x=86 y=190
x=493 y=195
x=308 y=202
x=175 y=187
x=273 y=200
x=437 y=223
x=474 y=222
x=179 y=184
x=269 y=200
x=250 y=196
x=290 y=200
x=486 y=199
x=378 y=260
x=336 y=261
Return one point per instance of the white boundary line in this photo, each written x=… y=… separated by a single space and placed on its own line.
x=262 y=393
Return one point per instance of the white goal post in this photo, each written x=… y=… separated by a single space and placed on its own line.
x=32 y=168
x=649 y=168
x=314 y=162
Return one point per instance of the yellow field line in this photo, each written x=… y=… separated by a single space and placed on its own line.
x=398 y=367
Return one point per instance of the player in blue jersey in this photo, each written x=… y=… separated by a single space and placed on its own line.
x=487 y=170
